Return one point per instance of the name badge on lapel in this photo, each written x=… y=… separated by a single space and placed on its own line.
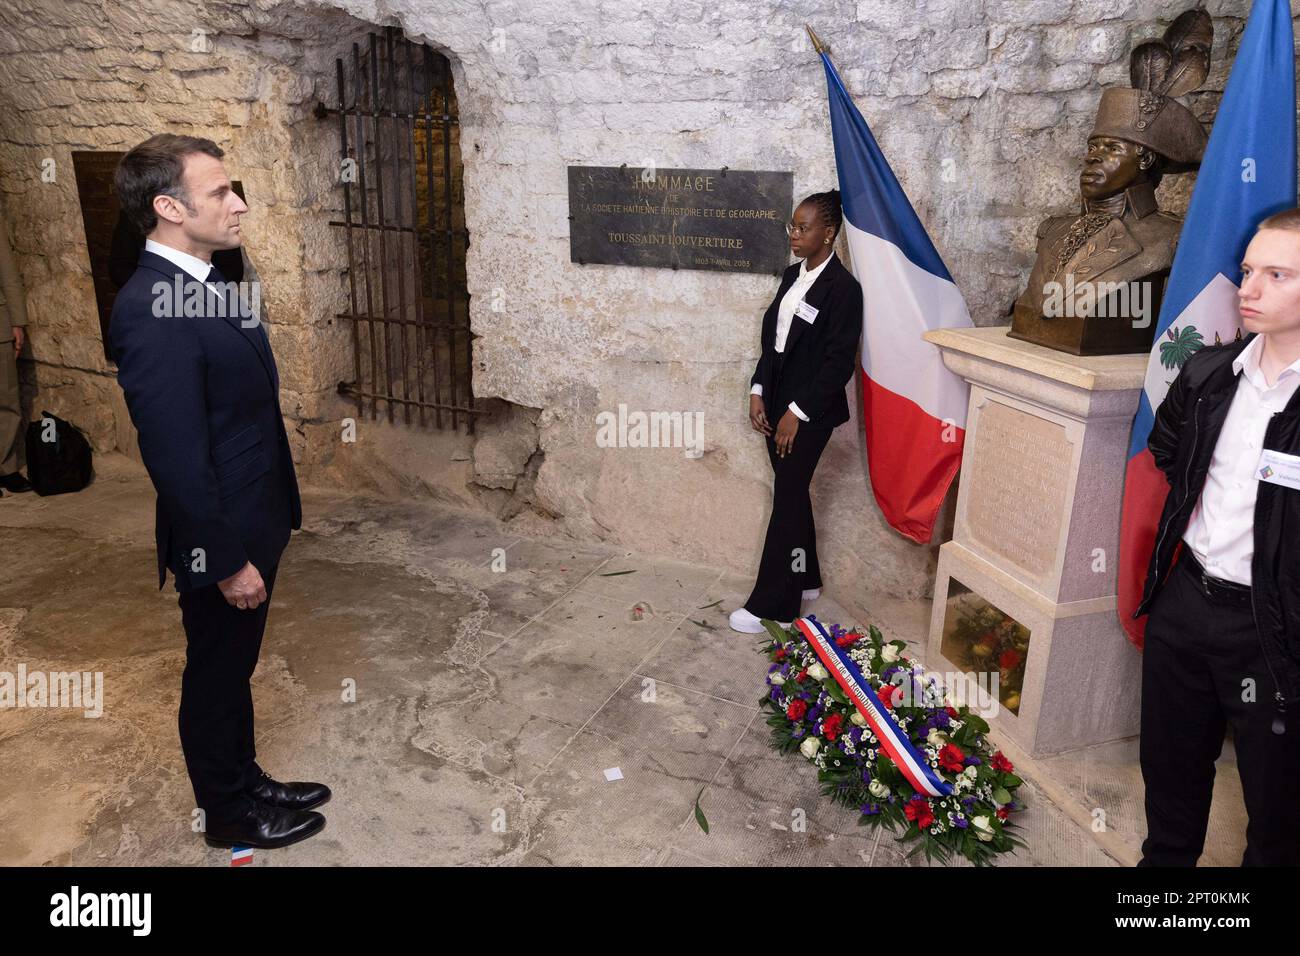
x=1279 y=468
x=805 y=312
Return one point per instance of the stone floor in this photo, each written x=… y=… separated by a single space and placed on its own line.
x=489 y=706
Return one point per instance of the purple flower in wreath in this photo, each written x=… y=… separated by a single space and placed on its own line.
x=866 y=775
x=774 y=667
x=870 y=809
x=961 y=823
x=798 y=731
x=814 y=712
x=855 y=734
x=972 y=761
x=775 y=694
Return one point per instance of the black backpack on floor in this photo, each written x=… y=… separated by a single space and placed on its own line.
x=58 y=456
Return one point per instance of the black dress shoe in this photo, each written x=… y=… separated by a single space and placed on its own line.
x=291 y=796
x=15 y=482
x=265 y=827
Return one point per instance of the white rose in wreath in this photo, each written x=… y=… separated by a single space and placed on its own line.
x=983 y=829
x=817 y=672
x=777 y=679
x=889 y=653
x=809 y=747
x=857 y=718
x=936 y=737
x=878 y=789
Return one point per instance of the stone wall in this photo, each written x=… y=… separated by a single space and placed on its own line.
x=982 y=106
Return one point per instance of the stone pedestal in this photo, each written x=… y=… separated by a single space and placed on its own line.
x=1036 y=539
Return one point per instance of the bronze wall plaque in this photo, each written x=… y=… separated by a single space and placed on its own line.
x=724 y=220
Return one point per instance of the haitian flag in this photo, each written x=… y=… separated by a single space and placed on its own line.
x=1248 y=173
x=914 y=409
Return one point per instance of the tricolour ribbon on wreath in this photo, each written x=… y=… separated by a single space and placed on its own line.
x=893 y=741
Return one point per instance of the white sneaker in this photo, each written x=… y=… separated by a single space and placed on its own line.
x=812 y=595
x=746 y=623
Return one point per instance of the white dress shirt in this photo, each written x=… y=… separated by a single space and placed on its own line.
x=193 y=265
x=1221 y=531
x=785 y=314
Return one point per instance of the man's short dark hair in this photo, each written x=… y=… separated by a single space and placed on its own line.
x=1288 y=219
x=154 y=168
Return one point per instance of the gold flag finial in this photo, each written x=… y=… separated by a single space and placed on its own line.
x=817 y=44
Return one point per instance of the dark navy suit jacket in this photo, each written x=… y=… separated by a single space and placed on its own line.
x=203 y=393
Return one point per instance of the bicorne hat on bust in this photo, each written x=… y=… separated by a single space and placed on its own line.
x=1148 y=114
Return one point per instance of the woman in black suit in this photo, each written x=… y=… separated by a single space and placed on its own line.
x=809 y=350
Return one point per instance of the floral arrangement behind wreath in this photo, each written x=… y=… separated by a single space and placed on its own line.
x=811 y=713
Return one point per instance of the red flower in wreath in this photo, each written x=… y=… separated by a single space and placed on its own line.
x=918 y=811
x=887 y=694
x=797 y=709
x=951 y=712
x=832 y=726
x=1010 y=659
x=1003 y=813
x=1001 y=764
x=779 y=655
x=951 y=758
x=801 y=675
x=848 y=640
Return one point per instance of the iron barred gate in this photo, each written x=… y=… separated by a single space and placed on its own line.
x=403 y=218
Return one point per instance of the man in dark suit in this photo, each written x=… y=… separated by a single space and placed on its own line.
x=203 y=392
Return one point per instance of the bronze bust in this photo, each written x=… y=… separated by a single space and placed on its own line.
x=1099 y=276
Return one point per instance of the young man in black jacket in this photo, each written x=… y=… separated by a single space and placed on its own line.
x=1223 y=587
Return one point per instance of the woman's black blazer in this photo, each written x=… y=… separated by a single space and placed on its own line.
x=819 y=356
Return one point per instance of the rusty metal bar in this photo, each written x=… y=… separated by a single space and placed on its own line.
x=322 y=111
x=391 y=228
x=365 y=217
x=427 y=324
x=446 y=191
x=347 y=216
x=379 y=214
x=417 y=280
x=350 y=389
x=397 y=214
x=433 y=261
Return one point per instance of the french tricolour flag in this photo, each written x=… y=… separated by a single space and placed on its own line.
x=1248 y=173
x=914 y=409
